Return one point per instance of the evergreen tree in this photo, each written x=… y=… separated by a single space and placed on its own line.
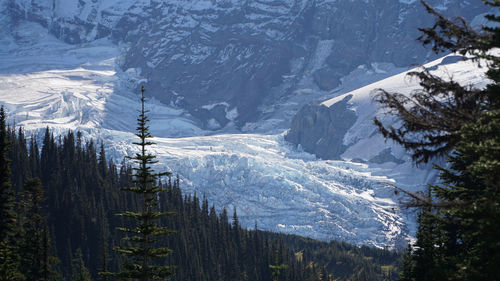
x=407 y=267
x=34 y=158
x=103 y=164
x=80 y=271
x=458 y=236
x=144 y=250
x=36 y=261
x=7 y=215
x=433 y=116
x=48 y=260
x=277 y=267
x=9 y=256
x=80 y=208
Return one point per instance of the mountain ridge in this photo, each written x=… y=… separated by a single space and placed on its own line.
x=243 y=55
x=90 y=87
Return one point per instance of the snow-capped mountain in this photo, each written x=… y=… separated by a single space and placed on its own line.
x=46 y=82
x=343 y=128
x=232 y=66
x=237 y=63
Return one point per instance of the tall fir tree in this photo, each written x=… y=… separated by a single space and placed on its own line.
x=142 y=251
x=80 y=271
x=407 y=267
x=9 y=256
x=7 y=215
x=458 y=236
x=277 y=267
x=36 y=260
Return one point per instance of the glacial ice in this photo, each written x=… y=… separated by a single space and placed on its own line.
x=79 y=87
x=45 y=82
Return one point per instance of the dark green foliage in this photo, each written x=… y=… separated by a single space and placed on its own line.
x=7 y=215
x=407 y=268
x=82 y=200
x=80 y=271
x=142 y=250
x=458 y=236
x=9 y=252
x=471 y=194
x=9 y=262
x=277 y=267
x=25 y=245
x=36 y=261
x=344 y=261
x=434 y=115
x=452 y=35
x=426 y=259
x=430 y=128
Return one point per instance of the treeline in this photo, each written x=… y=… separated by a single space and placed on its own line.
x=82 y=191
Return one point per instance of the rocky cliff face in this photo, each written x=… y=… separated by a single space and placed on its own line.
x=225 y=60
x=343 y=128
x=48 y=82
x=320 y=129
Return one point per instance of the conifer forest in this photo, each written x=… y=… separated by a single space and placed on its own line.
x=61 y=197
x=68 y=212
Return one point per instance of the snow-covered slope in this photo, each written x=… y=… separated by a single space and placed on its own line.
x=361 y=133
x=50 y=83
x=90 y=85
x=248 y=65
x=346 y=122
x=46 y=82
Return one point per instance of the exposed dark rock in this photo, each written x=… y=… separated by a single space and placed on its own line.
x=259 y=40
x=386 y=156
x=238 y=52
x=327 y=79
x=320 y=129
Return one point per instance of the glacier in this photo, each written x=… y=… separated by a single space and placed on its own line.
x=259 y=58
x=45 y=81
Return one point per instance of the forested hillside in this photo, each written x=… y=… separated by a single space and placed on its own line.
x=82 y=191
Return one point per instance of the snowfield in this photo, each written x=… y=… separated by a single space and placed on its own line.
x=45 y=82
x=365 y=142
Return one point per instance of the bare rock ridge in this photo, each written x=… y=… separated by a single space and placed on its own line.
x=208 y=52
x=320 y=129
x=342 y=128
x=222 y=61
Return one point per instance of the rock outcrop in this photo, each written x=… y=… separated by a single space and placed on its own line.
x=196 y=54
x=320 y=129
